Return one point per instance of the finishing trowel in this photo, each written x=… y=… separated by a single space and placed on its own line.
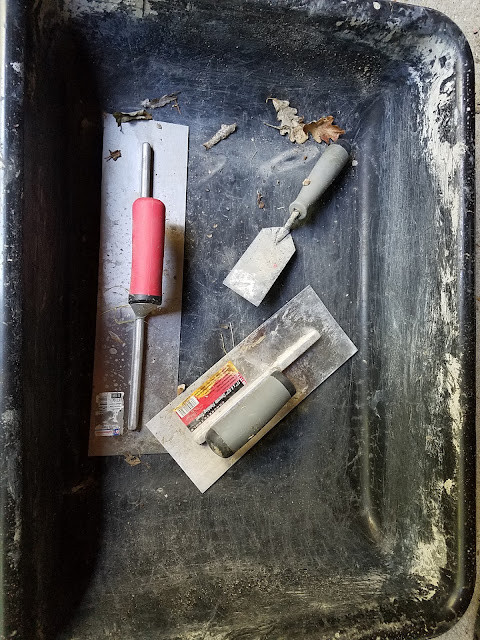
x=264 y=260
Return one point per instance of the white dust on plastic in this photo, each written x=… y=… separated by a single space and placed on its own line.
x=438 y=93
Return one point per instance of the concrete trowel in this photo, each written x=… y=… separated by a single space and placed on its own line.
x=228 y=409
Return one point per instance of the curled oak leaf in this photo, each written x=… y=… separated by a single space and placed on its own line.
x=156 y=103
x=121 y=117
x=291 y=124
x=323 y=129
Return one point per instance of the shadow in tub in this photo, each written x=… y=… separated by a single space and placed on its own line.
x=63 y=488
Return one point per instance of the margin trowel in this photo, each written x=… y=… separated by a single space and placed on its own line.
x=264 y=260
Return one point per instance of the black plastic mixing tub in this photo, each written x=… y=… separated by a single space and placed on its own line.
x=355 y=515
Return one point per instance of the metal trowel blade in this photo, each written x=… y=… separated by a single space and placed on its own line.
x=261 y=264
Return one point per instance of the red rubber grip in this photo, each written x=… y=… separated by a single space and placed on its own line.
x=148 y=240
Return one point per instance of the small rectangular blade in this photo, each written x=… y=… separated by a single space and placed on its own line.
x=261 y=264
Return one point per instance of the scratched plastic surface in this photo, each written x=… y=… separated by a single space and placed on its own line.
x=354 y=515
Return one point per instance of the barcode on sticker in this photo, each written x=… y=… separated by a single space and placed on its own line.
x=185 y=408
x=110 y=401
x=210 y=395
x=109 y=413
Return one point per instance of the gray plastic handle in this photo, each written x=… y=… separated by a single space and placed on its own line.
x=251 y=414
x=327 y=168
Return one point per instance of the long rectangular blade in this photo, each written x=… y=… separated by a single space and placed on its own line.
x=261 y=264
x=115 y=319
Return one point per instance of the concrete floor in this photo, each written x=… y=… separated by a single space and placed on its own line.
x=466 y=13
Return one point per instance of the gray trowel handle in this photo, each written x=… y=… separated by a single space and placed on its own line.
x=332 y=161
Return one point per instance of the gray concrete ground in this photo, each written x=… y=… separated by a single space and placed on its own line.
x=466 y=13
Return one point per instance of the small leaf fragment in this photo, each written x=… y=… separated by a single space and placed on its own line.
x=306 y=182
x=122 y=118
x=324 y=130
x=116 y=338
x=156 y=103
x=114 y=155
x=224 y=131
x=131 y=459
x=83 y=486
x=298 y=135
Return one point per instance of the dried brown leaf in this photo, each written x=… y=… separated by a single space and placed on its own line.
x=297 y=130
x=156 y=103
x=324 y=130
x=121 y=117
x=291 y=124
x=131 y=459
x=298 y=135
x=114 y=155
